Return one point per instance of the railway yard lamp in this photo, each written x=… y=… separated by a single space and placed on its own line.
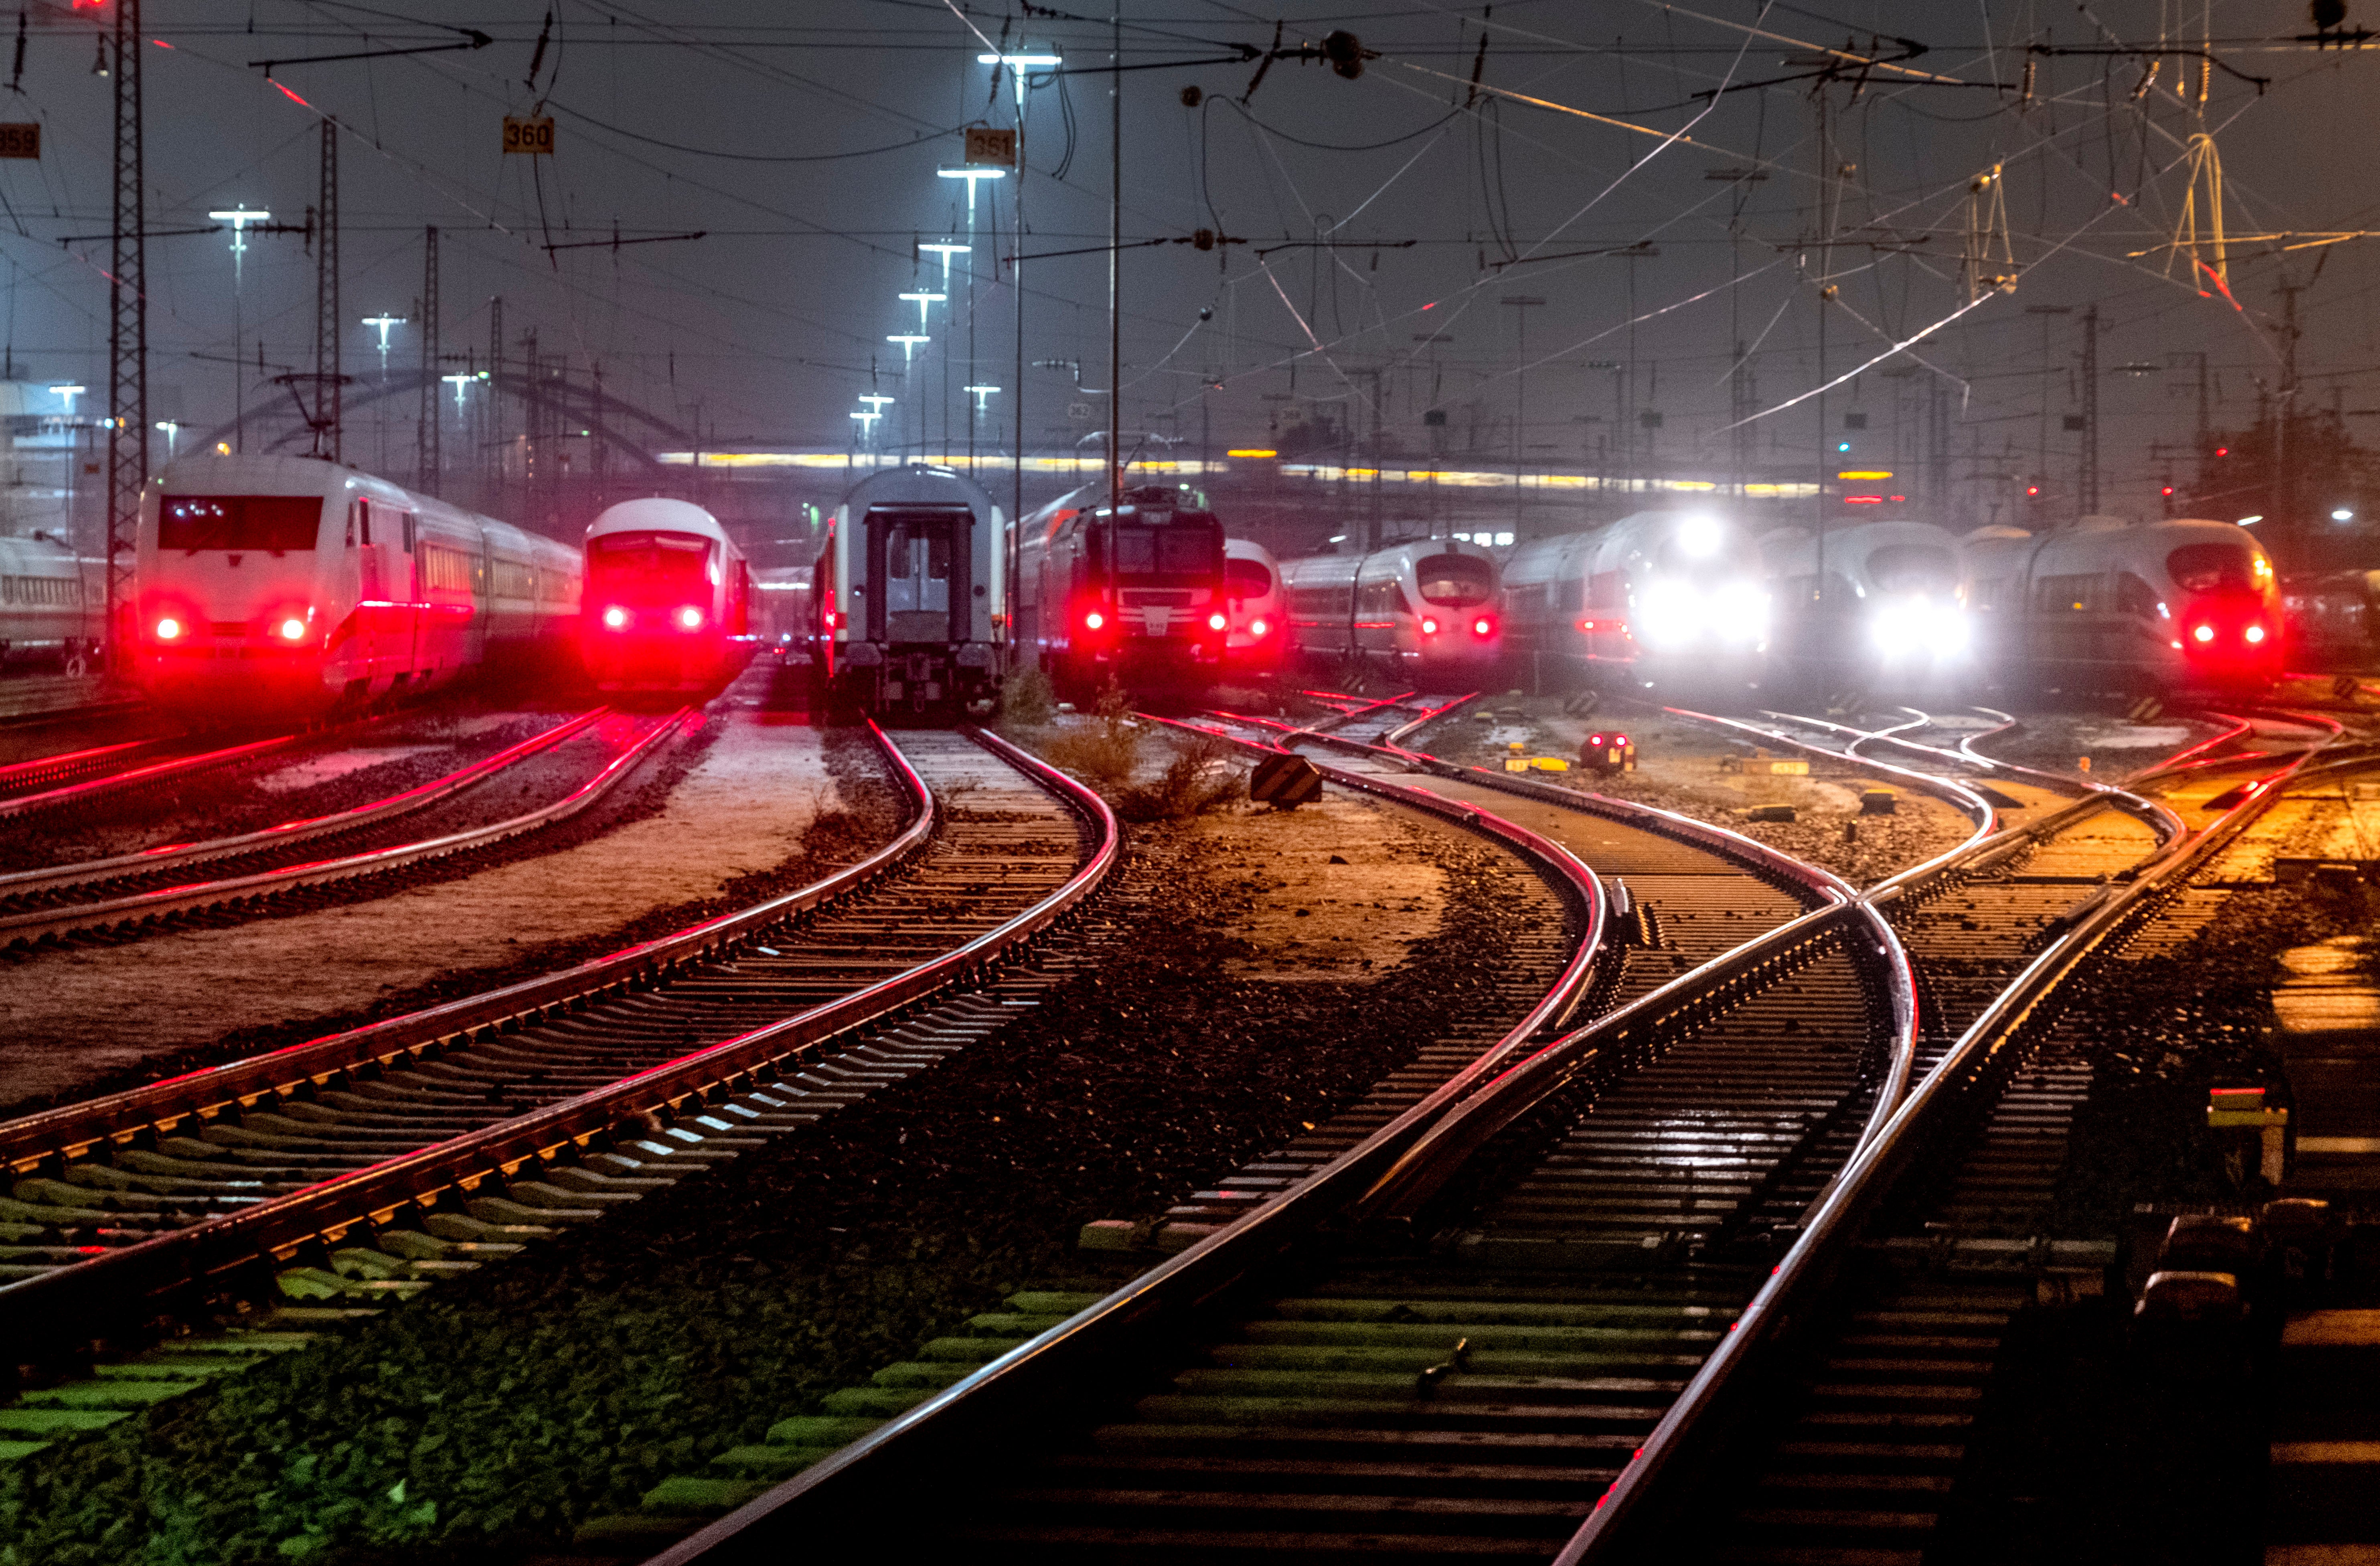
x=924 y=302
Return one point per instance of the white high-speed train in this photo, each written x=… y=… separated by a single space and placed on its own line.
x=1660 y=597
x=291 y=582
x=1887 y=605
x=52 y=605
x=1431 y=607
x=668 y=598
x=1254 y=607
x=2113 y=606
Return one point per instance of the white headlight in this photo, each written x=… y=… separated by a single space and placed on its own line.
x=1739 y=612
x=1670 y=615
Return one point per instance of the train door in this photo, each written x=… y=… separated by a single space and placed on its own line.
x=920 y=559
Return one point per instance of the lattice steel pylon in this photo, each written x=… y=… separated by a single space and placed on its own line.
x=327 y=379
x=428 y=462
x=127 y=338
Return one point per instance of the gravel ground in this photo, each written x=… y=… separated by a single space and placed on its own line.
x=673 y=846
x=492 y=1415
x=1677 y=768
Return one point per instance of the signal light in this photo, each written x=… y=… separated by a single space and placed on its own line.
x=1215 y=622
x=1093 y=621
x=832 y=619
x=1594 y=740
x=617 y=619
x=1483 y=627
x=2202 y=633
x=2031 y=490
x=689 y=618
x=169 y=629
x=1428 y=627
x=2167 y=491
x=2223 y=451
x=2254 y=633
x=292 y=630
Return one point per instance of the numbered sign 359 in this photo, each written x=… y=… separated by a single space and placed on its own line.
x=529 y=136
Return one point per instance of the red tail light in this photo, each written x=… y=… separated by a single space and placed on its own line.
x=2202 y=633
x=1428 y=627
x=2254 y=633
x=1215 y=622
x=689 y=618
x=832 y=619
x=169 y=629
x=1093 y=621
x=616 y=618
x=1257 y=627
x=1483 y=627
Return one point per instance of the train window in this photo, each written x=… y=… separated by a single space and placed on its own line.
x=2199 y=568
x=242 y=522
x=2135 y=597
x=1246 y=578
x=917 y=565
x=1164 y=552
x=1914 y=568
x=1456 y=579
x=2070 y=595
x=660 y=562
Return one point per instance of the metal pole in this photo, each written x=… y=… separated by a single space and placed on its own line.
x=1115 y=262
x=428 y=463
x=2089 y=464
x=127 y=335
x=327 y=409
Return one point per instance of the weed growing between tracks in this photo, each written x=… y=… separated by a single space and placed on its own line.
x=496 y=1412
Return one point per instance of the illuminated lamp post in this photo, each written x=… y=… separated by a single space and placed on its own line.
x=239 y=217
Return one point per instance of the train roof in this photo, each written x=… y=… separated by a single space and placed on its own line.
x=920 y=483
x=216 y=473
x=658 y=514
x=1247 y=549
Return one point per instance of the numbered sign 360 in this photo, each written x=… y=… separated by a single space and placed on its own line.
x=533 y=137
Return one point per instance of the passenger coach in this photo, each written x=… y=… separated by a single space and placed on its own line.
x=907 y=594
x=51 y=603
x=2112 y=605
x=271 y=582
x=669 y=598
x=1427 y=608
x=1135 y=591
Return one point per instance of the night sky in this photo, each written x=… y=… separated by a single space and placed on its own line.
x=803 y=140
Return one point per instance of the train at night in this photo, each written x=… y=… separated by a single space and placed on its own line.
x=668 y=599
x=270 y=583
x=907 y=594
x=1652 y=600
x=1135 y=591
x=1430 y=609
x=53 y=603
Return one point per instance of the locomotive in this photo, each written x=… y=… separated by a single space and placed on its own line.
x=2107 y=604
x=907 y=594
x=51 y=605
x=273 y=582
x=1658 y=597
x=1135 y=592
x=1429 y=609
x=668 y=599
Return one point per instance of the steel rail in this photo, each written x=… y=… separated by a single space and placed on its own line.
x=66 y=1300
x=302 y=831
x=19 y=776
x=141 y=907
x=978 y=1407
x=162 y=1108
x=1631 y=1510
x=138 y=777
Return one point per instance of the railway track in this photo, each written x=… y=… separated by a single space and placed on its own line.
x=138 y=891
x=363 y=1166
x=1450 y=1338
x=82 y=779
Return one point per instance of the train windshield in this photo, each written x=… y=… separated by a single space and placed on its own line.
x=662 y=564
x=266 y=522
x=2200 y=568
x=1246 y=578
x=1187 y=548
x=1914 y=568
x=1456 y=581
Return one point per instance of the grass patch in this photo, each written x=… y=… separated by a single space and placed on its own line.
x=1200 y=778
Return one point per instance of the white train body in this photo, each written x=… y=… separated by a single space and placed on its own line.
x=267 y=581
x=1255 y=607
x=2164 y=606
x=911 y=592
x=1891 y=606
x=53 y=604
x=1658 y=597
x=1430 y=607
x=668 y=598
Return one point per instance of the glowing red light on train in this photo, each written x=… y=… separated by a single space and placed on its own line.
x=2254 y=633
x=292 y=630
x=1093 y=621
x=169 y=629
x=1483 y=627
x=689 y=618
x=1257 y=627
x=1428 y=627
x=2202 y=633
x=617 y=619
x=1215 y=622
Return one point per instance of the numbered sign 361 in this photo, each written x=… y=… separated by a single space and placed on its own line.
x=529 y=136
